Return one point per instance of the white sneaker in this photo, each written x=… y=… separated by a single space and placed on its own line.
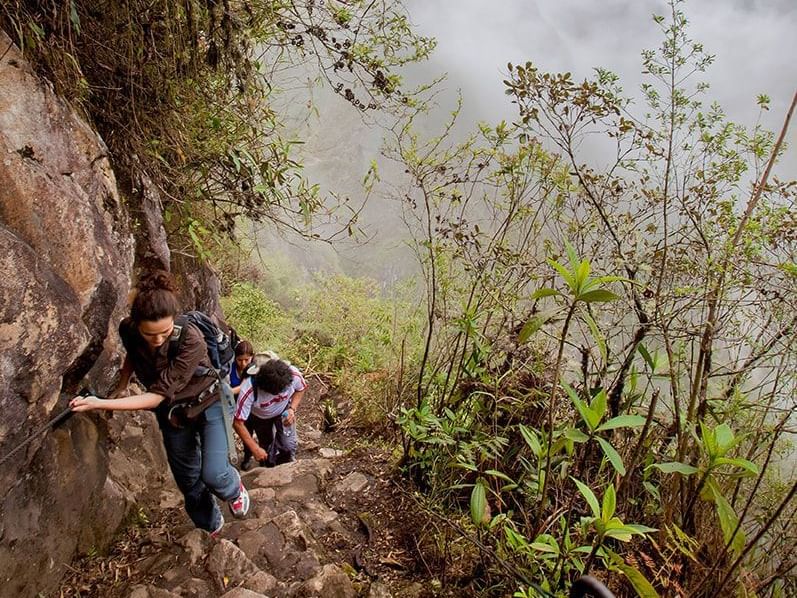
x=240 y=506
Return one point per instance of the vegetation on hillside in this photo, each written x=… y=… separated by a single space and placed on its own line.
x=608 y=376
x=601 y=374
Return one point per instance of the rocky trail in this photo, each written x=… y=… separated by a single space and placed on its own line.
x=334 y=523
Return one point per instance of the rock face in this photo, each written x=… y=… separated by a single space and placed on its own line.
x=66 y=254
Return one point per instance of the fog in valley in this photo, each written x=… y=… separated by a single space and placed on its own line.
x=753 y=41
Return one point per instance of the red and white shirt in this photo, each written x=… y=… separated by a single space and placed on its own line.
x=263 y=404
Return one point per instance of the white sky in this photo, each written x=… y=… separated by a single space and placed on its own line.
x=755 y=43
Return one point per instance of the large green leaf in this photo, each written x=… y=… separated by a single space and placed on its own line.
x=566 y=276
x=498 y=474
x=590 y=497
x=572 y=256
x=643 y=587
x=544 y=292
x=575 y=435
x=541 y=547
x=748 y=466
x=597 y=296
x=530 y=436
x=709 y=440
x=582 y=274
x=622 y=421
x=598 y=404
x=728 y=522
x=590 y=418
x=478 y=503
x=612 y=456
x=609 y=503
x=725 y=439
x=534 y=324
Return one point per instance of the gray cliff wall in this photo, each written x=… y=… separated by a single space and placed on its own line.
x=68 y=253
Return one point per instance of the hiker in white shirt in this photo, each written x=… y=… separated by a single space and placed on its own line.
x=271 y=395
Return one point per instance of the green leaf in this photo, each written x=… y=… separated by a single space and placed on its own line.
x=582 y=274
x=539 y=546
x=621 y=533
x=589 y=417
x=609 y=503
x=622 y=421
x=725 y=439
x=647 y=357
x=597 y=296
x=544 y=292
x=498 y=474
x=652 y=490
x=709 y=440
x=728 y=523
x=749 y=466
x=478 y=503
x=575 y=435
x=612 y=456
x=533 y=325
x=598 y=404
x=642 y=586
x=674 y=467
x=590 y=497
x=566 y=276
x=597 y=335
x=572 y=256
x=530 y=436
x=641 y=529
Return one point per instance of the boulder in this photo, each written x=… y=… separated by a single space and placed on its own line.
x=64 y=289
x=379 y=590
x=242 y=593
x=150 y=591
x=195 y=544
x=331 y=582
x=354 y=483
x=229 y=566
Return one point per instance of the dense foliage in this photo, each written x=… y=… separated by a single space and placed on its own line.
x=608 y=379
x=182 y=93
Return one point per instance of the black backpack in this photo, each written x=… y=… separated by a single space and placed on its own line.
x=221 y=346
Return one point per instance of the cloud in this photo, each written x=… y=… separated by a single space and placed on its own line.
x=753 y=40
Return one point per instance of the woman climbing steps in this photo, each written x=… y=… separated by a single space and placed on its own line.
x=196 y=445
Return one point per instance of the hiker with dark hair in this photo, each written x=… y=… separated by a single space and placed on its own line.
x=270 y=397
x=184 y=390
x=244 y=352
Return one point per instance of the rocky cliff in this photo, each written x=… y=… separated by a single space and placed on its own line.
x=69 y=244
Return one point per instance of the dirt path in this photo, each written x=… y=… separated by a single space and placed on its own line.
x=336 y=523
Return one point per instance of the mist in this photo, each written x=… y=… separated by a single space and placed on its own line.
x=753 y=42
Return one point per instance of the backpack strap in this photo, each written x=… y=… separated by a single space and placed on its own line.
x=176 y=339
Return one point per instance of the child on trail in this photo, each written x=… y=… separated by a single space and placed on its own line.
x=196 y=445
x=271 y=396
x=244 y=352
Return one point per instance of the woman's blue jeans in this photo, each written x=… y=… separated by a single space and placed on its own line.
x=198 y=458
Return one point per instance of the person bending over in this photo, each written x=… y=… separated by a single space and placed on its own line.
x=271 y=396
x=196 y=448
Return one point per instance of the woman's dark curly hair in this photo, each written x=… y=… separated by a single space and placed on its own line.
x=155 y=298
x=274 y=376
